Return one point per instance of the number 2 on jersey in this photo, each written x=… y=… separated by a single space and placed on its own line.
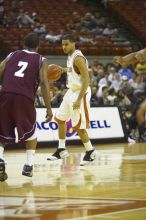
x=20 y=72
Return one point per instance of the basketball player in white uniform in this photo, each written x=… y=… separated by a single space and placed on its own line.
x=76 y=102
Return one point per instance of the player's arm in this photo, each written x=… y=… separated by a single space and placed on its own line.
x=130 y=58
x=80 y=64
x=134 y=57
x=2 y=67
x=140 y=114
x=45 y=89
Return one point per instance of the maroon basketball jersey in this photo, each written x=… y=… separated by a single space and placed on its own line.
x=21 y=75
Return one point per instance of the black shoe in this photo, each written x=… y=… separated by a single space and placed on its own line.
x=27 y=170
x=60 y=153
x=89 y=157
x=3 y=174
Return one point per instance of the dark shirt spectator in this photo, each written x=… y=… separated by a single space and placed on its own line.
x=94 y=98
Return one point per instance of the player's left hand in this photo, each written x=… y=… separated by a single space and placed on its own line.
x=61 y=70
x=76 y=105
x=49 y=115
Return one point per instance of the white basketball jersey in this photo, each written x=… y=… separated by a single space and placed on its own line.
x=74 y=79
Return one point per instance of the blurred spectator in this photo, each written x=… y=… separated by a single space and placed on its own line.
x=94 y=98
x=83 y=40
x=96 y=73
x=103 y=99
x=98 y=69
x=1 y=8
x=14 y=6
x=125 y=71
x=141 y=83
x=35 y=17
x=133 y=81
x=95 y=66
x=9 y=20
x=24 y=19
x=126 y=87
x=92 y=23
x=141 y=67
x=76 y=17
x=116 y=83
x=53 y=37
x=122 y=99
x=112 y=73
x=109 y=30
x=104 y=80
x=111 y=96
x=40 y=28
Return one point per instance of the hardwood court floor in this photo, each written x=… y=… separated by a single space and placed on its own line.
x=112 y=187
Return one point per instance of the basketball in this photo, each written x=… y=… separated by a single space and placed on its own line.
x=54 y=72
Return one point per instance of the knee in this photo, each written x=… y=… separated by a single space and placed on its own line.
x=59 y=121
x=81 y=131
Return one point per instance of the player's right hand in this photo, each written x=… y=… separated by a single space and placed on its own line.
x=118 y=60
x=49 y=115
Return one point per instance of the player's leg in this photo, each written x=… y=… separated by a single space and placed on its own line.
x=31 y=144
x=61 y=151
x=7 y=134
x=3 y=174
x=25 y=123
x=80 y=122
x=62 y=115
x=90 y=153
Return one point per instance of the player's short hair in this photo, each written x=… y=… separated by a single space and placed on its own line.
x=31 y=40
x=69 y=37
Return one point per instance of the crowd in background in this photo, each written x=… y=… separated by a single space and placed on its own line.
x=93 y=27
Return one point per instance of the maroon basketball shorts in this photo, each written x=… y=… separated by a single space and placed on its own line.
x=17 y=112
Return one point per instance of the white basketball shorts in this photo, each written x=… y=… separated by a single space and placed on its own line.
x=79 y=117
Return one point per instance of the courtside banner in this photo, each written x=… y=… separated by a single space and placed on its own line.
x=105 y=123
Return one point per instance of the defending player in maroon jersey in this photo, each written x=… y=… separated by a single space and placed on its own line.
x=21 y=73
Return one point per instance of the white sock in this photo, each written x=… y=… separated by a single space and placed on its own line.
x=30 y=157
x=1 y=152
x=61 y=143
x=88 y=146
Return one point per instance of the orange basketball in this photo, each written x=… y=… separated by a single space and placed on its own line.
x=54 y=72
